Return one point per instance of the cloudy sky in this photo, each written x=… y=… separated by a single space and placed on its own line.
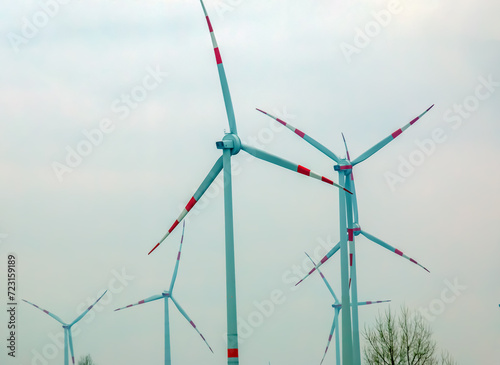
x=110 y=114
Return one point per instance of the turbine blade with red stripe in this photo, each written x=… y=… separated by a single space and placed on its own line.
x=287 y=165
x=390 y=248
x=351 y=186
x=216 y=169
x=388 y=139
x=88 y=309
x=305 y=137
x=147 y=300
x=334 y=325
x=190 y=321
x=174 y=275
x=47 y=312
x=323 y=260
x=374 y=302
x=346 y=149
x=222 y=76
x=324 y=279
x=70 y=339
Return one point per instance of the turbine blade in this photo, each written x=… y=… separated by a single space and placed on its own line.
x=324 y=279
x=190 y=321
x=305 y=137
x=88 y=309
x=390 y=248
x=386 y=140
x=70 y=337
x=349 y=185
x=346 y=149
x=147 y=300
x=216 y=169
x=66 y=341
x=222 y=76
x=334 y=324
x=323 y=260
x=376 y=302
x=47 y=312
x=174 y=275
x=287 y=165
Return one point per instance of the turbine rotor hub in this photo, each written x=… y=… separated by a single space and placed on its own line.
x=230 y=141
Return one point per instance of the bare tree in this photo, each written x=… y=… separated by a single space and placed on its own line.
x=384 y=344
x=402 y=340
x=86 y=360
x=418 y=344
x=447 y=359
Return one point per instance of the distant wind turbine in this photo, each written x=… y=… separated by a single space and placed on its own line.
x=349 y=227
x=68 y=338
x=166 y=295
x=335 y=325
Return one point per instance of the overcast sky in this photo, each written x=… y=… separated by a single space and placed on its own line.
x=81 y=208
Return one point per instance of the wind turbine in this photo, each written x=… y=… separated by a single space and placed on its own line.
x=166 y=295
x=230 y=146
x=68 y=338
x=335 y=325
x=349 y=227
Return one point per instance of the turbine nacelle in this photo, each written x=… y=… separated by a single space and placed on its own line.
x=230 y=141
x=166 y=294
x=343 y=165
x=356 y=229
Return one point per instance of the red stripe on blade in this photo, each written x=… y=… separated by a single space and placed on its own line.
x=348 y=191
x=217 y=56
x=154 y=248
x=302 y=170
x=397 y=133
x=397 y=252
x=300 y=133
x=190 y=204
x=209 y=25
x=280 y=121
x=414 y=120
x=326 y=180
x=176 y=223
x=231 y=353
